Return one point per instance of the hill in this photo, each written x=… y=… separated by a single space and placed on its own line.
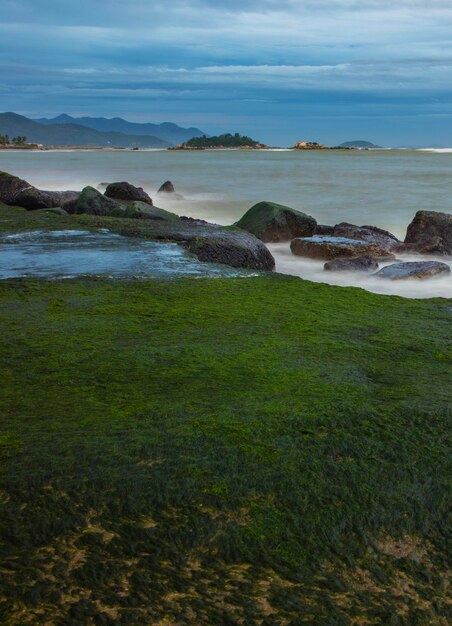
x=172 y=133
x=223 y=141
x=13 y=124
x=358 y=143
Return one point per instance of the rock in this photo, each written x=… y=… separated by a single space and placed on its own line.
x=93 y=202
x=10 y=186
x=141 y=210
x=125 y=192
x=167 y=187
x=326 y=248
x=357 y=264
x=54 y=211
x=418 y=269
x=102 y=186
x=275 y=222
x=371 y=234
x=323 y=229
x=34 y=199
x=234 y=248
x=430 y=232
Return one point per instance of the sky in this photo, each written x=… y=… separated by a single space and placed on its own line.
x=279 y=70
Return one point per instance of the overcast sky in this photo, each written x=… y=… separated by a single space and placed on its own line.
x=280 y=71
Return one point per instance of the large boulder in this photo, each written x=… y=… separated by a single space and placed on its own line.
x=371 y=234
x=418 y=269
x=235 y=248
x=141 y=210
x=33 y=199
x=125 y=192
x=357 y=264
x=10 y=186
x=166 y=187
x=275 y=222
x=430 y=232
x=326 y=248
x=93 y=202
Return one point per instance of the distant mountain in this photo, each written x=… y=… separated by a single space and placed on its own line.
x=13 y=124
x=358 y=143
x=172 y=133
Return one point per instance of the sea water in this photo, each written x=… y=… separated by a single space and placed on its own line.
x=383 y=188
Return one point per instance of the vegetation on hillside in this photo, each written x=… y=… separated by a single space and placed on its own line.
x=20 y=140
x=222 y=141
x=221 y=451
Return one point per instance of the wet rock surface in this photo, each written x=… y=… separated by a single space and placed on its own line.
x=125 y=192
x=358 y=264
x=371 y=234
x=167 y=187
x=430 y=232
x=273 y=222
x=327 y=248
x=10 y=186
x=420 y=270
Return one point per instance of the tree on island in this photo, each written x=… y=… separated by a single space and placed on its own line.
x=19 y=140
x=4 y=140
x=222 y=141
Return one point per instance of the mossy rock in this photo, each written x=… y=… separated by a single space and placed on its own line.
x=142 y=210
x=275 y=222
x=93 y=202
x=54 y=211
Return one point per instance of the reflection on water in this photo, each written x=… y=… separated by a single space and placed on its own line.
x=310 y=269
x=64 y=254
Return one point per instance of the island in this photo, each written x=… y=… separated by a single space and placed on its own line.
x=226 y=140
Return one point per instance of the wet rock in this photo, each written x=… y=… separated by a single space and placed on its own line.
x=420 y=270
x=125 y=192
x=323 y=229
x=275 y=222
x=234 y=248
x=10 y=186
x=430 y=232
x=34 y=199
x=93 y=202
x=141 y=210
x=357 y=264
x=53 y=211
x=327 y=248
x=167 y=187
x=371 y=234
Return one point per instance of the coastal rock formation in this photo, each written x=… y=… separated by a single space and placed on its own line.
x=430 y=232
x=418 y=269
x=125 y=192
x=357 y=264
x=142 y=210
x=371 y=234
x=323 y=229
x=273 y=222
x=326 y=248
x=33 y=199
x=167 y=187
x=235 y=248
x=93 y=202
x=10 y=186
x=308 y=145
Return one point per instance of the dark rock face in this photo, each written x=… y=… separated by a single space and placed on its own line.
x=10 y=186
x=326 y=248
x=93 y=202
x=33 y=199
x=237 y=249
x=275 y=222
x=167 y=187
x=125 y=192
x=418 y=270
x=358 y=264
x=371 y=234
x=430 y=232
x=323 y=229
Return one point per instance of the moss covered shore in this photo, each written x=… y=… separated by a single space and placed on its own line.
x=252 y=451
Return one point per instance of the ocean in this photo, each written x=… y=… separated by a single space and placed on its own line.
x=383 y=188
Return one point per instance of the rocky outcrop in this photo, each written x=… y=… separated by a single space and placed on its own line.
x=92 y=202
x=33 y=199
x=420 y=270
x=326 y=248
x=430 y=232
x=357 y=264
x=323 y=229
x=272 y=222
x=235 y=248
x=141 y=210
x=125 y=192
x=10 y=186
x=371 y=234
x=167 y=187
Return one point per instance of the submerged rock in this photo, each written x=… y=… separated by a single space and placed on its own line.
x=357 y=264
x=430 y=232
x=273 y=222
x=167 y=187
x=417 y=269
x=326 y=248
x=125 y=192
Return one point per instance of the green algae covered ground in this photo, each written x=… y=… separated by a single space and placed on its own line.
x=223 y=452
